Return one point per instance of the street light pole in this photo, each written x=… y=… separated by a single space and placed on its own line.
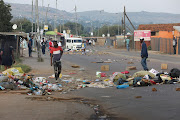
x=47 y=13
x=32 y=17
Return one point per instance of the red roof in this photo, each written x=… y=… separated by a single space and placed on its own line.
x=158 y=27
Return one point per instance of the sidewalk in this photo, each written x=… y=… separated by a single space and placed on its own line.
x=152 y=55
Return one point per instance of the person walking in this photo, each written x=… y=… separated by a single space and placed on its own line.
x=43 y=45
x=56 y=54
x=83 y=45
x=144 y=54
x=127 y=44
x=30 y=46
x=174 y=44
x=7 y=56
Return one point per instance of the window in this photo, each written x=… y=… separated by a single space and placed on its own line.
x=77 y=41
x=68 y=41
x=153 y=33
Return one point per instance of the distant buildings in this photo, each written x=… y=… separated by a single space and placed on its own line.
x=161 y=32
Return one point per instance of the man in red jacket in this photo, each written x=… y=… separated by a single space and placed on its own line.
x=56 y=54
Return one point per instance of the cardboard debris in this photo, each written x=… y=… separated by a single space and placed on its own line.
x=131 y=68
x=105 y=68
x=177 y=89
x=75 y=66
x=164 y=66
x=154 y=89
x=130 y=62
x=102 y=62
x=138 y=96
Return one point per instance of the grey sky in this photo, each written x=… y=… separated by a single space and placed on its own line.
x=169 y=6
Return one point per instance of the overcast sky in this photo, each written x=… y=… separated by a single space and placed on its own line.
x=114 y=6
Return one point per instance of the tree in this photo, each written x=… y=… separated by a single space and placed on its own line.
x=23 y=23
x=72 y=26
x=5 y=17
x=113 y=30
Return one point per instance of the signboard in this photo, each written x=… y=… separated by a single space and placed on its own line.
x=55 y=30
x=45 y=27
x=14 y=26
x=146 y=34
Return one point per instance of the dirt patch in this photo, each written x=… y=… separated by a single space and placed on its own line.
x=99 y=112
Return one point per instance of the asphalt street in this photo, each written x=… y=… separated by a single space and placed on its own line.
x=160 y=105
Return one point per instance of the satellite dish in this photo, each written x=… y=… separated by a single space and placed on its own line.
x=14 y=26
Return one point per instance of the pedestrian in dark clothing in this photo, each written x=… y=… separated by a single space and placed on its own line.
x=43 y=45
x=144 y=54
x=7 y=56
x=174 y=44
x=30 y=46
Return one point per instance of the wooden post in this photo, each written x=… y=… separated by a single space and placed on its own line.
x=17 y=47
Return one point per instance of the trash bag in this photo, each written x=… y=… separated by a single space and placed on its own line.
x=14 y=71
x=3 y=78
x=8 y=85
x=119 y=75
x=143 y=73
x=175 y=73
x=120 y=81
x=139 y=81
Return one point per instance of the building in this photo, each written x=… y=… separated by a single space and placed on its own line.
x=161 y=31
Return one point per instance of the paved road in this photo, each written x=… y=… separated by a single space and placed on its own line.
x=152 y=55
x=160 y=105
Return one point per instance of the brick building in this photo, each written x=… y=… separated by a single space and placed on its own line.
x=164 y=31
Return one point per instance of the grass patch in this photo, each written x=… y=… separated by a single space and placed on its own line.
x=24 y=67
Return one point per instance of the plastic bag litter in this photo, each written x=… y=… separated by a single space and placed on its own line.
x=143 y=73
x=3 y=78
x=116 y=76
x=14 y=71
x=153 y=71
x=8 y=85
x=53 y=76
x=40 y=80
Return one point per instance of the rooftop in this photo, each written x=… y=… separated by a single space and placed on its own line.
x=158 y=27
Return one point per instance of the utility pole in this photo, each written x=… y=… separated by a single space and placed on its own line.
x=32 y=17
x=42 y=25
x=76 y=20
x=124 y=23
x=37 y=34
x=122 y=26
x=47 y=13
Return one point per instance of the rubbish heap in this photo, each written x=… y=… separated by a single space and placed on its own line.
x=138 y=79
x=16 y=79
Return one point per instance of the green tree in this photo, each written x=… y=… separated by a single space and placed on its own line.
x=72 y=26
x=5 y=17
x=113 y=30
x=23 y=23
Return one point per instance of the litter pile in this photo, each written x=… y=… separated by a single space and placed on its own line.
x=138 y=79
x=16 y=79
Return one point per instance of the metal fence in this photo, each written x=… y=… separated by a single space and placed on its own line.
x=164 y=45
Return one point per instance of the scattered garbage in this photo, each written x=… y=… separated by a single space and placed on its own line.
x=154 y=89
x=75 y=66
x=164 y=66
x=105 y=68
x=131 y=68
x=138 y=96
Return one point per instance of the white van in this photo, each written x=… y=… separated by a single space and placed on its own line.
x=73 y=43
